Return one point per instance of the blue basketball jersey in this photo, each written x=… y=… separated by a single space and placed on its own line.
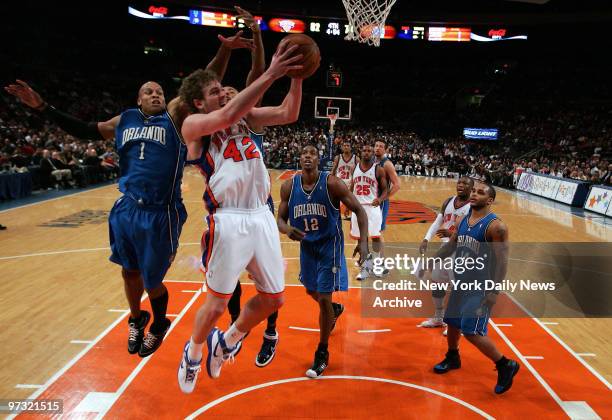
x=152 y=156
x=313 y=213
x=258 y=140
x=381 y=163
x=472 y=243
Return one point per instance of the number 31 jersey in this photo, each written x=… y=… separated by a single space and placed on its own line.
x=235 y=172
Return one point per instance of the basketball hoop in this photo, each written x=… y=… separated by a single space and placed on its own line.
x=332 y=121
x=367 y=19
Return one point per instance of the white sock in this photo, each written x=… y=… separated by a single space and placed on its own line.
x=232 y=336
x=194 y=353
x=375 y=254
x=271 y=337
x=439 y=303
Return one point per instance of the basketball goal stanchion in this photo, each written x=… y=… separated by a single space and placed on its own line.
x=367 y=19
x=330 y=140
x=332 y=122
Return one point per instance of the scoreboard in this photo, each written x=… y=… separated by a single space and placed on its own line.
x=330 y=27
x=437 y=33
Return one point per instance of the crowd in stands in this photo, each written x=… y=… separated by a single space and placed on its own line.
x=575 y=145
x=560 y=139
x=28 y=143
x=565 y=144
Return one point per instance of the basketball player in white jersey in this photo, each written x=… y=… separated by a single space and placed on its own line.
x=258 y=66
x=370 y=187
x=344 y=165
x=242 y=230
x=452 y=209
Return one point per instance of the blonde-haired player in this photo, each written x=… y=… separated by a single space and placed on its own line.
x=242 y=231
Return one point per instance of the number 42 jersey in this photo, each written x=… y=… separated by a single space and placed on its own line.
x=235 y=172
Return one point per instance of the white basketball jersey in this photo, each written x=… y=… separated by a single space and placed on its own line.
x=239 y=177
x=452 y=213
x=365 y=184
x=345 y=169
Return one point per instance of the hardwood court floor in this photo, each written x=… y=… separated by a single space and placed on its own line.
x=63 y=326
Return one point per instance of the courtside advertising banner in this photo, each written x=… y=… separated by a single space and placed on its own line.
x=599 y=200
x=566 y=192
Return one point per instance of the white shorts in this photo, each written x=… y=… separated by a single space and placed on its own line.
x=243 y=239
x=374 y=221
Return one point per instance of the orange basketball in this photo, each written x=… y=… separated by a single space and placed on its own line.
x=310 y=51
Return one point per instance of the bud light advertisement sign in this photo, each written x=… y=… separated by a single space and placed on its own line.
x=480 y=133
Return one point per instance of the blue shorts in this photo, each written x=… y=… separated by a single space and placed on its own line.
x=385 y=211
x=465 y=312
x=323 y=266
x=270 y=203
x=145 y=238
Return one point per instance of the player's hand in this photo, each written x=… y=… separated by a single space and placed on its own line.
x=22 y=91
x=444 y=233
x=236 y=41
x=283 y=61
x=487 y=302
x=295 y=234
x=375 y=202
x=362 y=250
x=248 y=18
x=423 y=247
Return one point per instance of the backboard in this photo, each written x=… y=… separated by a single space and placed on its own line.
x=325 y=105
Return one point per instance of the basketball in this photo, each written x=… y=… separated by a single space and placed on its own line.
x=310 y=51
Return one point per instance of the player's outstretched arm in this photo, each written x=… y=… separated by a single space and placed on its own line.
x=382 y=186
x=72 y=125
x=497 y=233
x=258 y=59
x=335 y=167
x=286 y=113
x=283 y=214
x=198 y=125
x=449 y=247
x=433 y=229
x=178 y=111
x=340 y=192
x=392 y=176
x=219 y=63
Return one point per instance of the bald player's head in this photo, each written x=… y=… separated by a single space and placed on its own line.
x=151 y=99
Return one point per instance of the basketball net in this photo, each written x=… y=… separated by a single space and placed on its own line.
x=367 y=19
x=332 y=122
